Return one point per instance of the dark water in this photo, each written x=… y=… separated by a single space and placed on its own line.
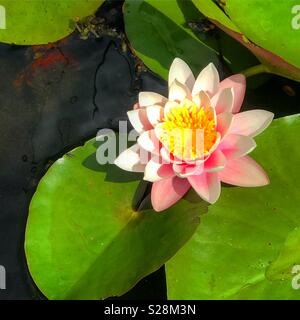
x=54 y=98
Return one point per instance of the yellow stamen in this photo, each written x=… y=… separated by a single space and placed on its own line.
x=188 y=131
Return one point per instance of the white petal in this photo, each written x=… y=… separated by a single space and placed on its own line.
x=149 y=141
x=139 y=120
x=208 y=80
x=169 y=105
x=180 y=71
x=129 y=160
x=155 y=114
x=202 y=100
x=147 y=98
x=178 y=91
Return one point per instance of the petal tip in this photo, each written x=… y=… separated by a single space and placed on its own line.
x=157 y=205
x=265 y=180
x=118 y=163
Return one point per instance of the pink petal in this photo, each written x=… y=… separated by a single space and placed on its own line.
x=136 y=106
x=156 y=171
x=180 y=71
x=178 y=91
x=208 y=80
x=170 y=158
x=184 y=170
x=223 y=101
x=251 y=123
x=147 y=98
x=214 y=147
x=215 y=162
x=224 y=121
x=235 y=146
x=130 y=159
x=166 y=155
x=238 y=83
x=207 y=185
x=139 y=120
x=167 y=192
x=148 y=141
x=244 y=172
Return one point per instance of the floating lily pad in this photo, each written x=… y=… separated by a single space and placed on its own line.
x=158 y=32
x=252 y=24
x=177 y=29
x=211 y=10
x=248 y=243
x=84 y=240
x=31 y=22
x=268 y=25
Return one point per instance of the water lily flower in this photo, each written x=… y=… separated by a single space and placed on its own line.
x=215 y=151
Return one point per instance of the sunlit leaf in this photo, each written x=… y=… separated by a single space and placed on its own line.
x=31 y=22
x=247 y=244
x=84 y=240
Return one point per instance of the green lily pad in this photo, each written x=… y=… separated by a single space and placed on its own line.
x=256 y=19
x=248 y=243
x=173 y=29
x=158 y=32
x=210 y=9
x=30 y=22
x=251 y=23
x=84 y=240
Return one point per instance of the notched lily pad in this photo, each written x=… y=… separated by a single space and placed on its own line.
x=84 y=240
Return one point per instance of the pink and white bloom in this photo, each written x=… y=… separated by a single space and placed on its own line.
x=216 y=150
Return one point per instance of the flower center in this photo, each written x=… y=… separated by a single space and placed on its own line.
x=188 y=131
